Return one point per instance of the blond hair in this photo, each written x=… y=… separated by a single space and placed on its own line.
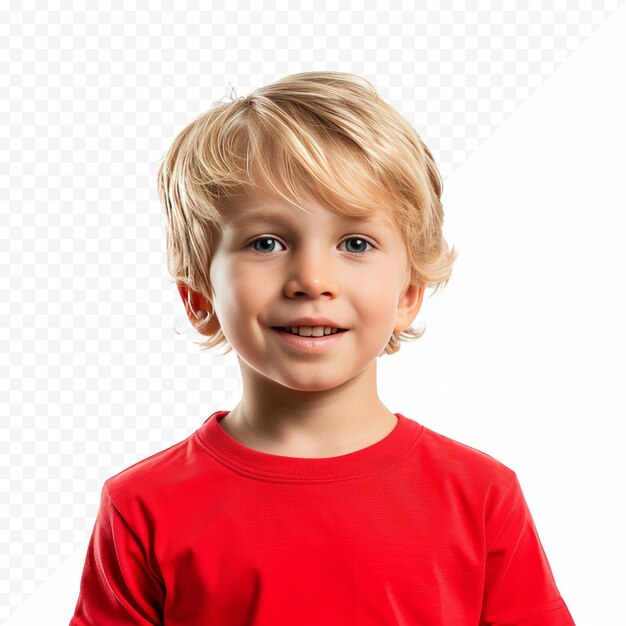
x=328 y=134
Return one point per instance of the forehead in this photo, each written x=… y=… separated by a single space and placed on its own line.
x=265 y=207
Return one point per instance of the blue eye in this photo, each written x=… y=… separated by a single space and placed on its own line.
x=265 y=249
x=265 y=240
x=362 y=240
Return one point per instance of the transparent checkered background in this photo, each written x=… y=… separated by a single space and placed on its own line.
x=94 y=378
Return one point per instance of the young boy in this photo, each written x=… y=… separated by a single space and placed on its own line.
x=304 y=224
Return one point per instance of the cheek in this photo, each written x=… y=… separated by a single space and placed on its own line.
x=245 y=297
x=226 y=292
x=378 y=305
x=378 y=295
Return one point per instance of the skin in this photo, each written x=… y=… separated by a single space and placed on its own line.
x=294 y=403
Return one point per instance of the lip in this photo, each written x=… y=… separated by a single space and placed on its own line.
x=311 y=321
x=309 y=344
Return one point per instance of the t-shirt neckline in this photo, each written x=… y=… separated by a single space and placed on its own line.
x=277 y=468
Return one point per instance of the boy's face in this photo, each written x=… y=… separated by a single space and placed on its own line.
x=269 y=270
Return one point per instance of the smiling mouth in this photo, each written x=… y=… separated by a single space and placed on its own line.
x=333 y=332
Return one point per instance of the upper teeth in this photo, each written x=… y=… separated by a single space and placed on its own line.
x=311 y=331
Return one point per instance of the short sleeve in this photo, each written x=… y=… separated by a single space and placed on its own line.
x=519 y=585
x=118 y=586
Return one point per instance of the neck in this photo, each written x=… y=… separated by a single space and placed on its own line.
x=279 y=420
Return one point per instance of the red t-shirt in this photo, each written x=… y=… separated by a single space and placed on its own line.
x=416 y=529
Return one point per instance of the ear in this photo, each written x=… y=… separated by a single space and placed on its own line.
x=409 y=305
x=199 y=303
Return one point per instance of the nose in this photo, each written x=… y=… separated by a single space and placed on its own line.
x=311 y=274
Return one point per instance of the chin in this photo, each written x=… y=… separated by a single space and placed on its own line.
x=307 y=384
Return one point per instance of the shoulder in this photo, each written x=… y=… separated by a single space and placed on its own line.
x=458 y=454
x=155 y=478
x=466 y=468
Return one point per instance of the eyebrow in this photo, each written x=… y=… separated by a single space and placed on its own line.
x=248 y=217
